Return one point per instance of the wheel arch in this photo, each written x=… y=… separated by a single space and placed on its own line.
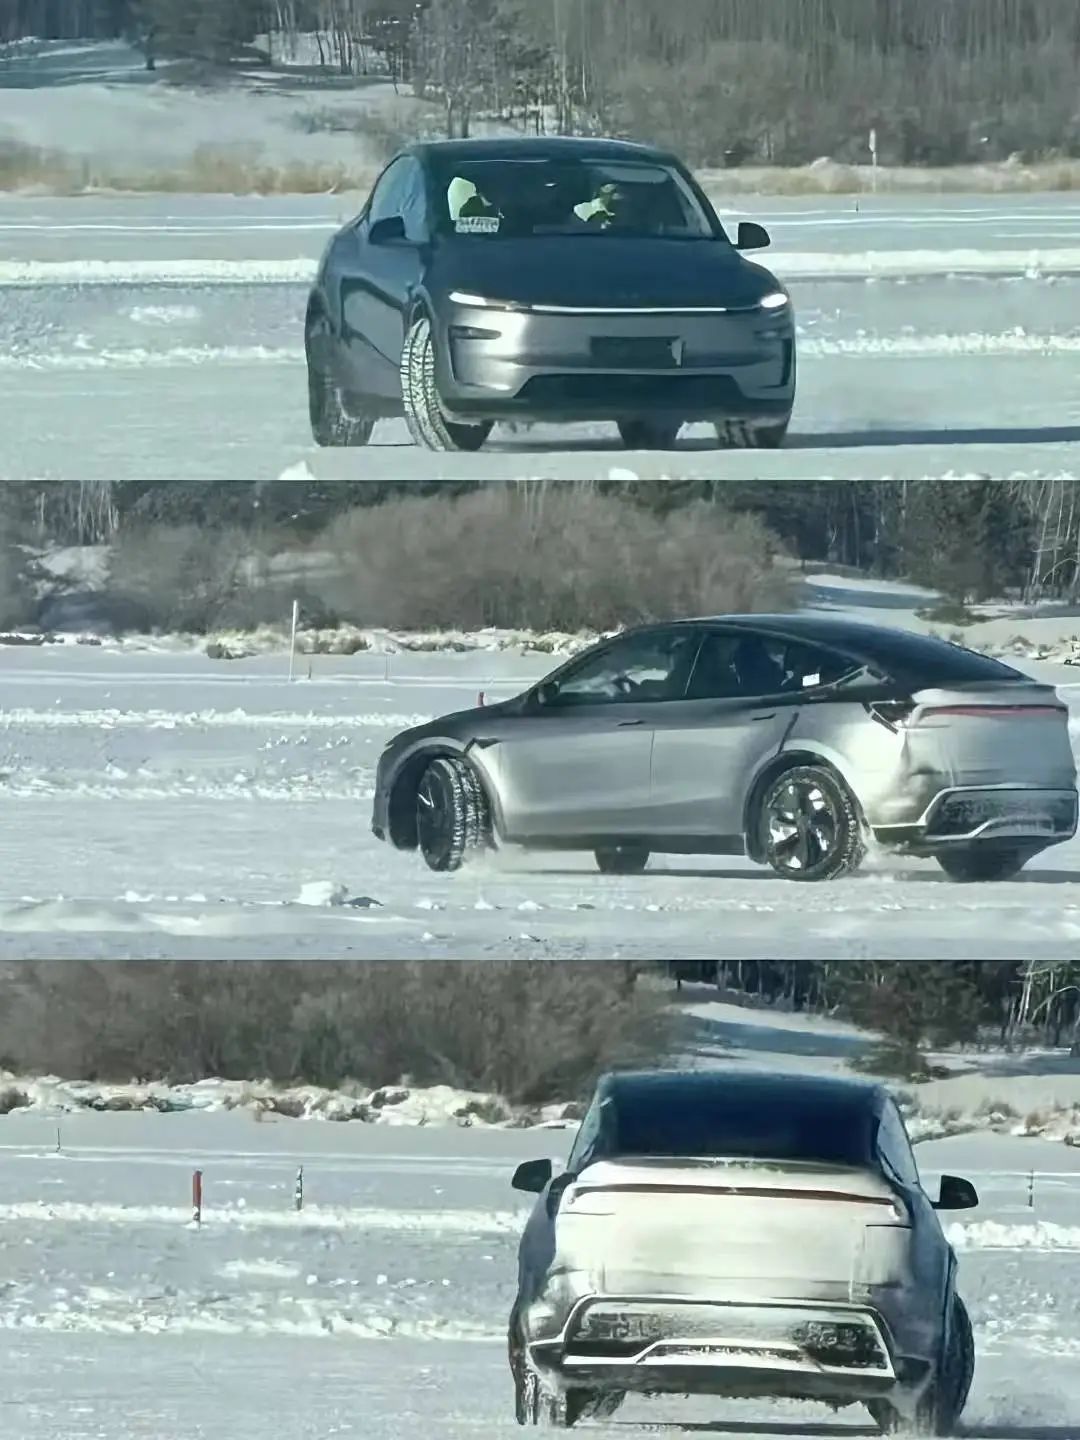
x=777 y=766
x=401 y=807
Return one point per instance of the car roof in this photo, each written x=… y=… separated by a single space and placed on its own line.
x=537 y=147
x=684 y=1086
x=882 y=644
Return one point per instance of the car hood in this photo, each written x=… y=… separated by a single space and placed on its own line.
x=463 y=725
x=599 y=271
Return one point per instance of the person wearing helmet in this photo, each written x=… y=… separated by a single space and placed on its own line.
x=465 y=202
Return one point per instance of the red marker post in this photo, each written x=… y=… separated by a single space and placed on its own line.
x=196 y=1197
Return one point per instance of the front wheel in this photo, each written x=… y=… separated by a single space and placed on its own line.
x=452 y=816
x=649 y=434
x=771 y=437
x=809 y=825
x=424 y=414
x=981 y=864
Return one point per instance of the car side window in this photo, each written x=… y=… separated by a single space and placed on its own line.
x=652 y=666
x=414 y=206
x=593 y=1138
x=894 y=1147
x=390 y=190
x=734 y=666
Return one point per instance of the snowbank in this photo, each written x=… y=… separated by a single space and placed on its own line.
x=386 y=1105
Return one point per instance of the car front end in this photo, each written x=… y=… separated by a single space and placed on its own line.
x=565 y=362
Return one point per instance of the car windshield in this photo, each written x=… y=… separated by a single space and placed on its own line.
x=515 y=197
x=783 y=1125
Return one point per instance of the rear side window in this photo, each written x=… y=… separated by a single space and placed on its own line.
x=894 y=1147
x=922 y=660
x=732 y=666
x=783 y=1125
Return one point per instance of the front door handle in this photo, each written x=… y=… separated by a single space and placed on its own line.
x=771 y=716
x=625 y=724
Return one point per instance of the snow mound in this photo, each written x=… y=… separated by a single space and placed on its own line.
x=385 y=1105
x=994 y=1235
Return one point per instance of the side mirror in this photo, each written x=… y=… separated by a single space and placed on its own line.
x=390 y=231
x=956 y=1194
x=532 y=1176
x=752 y=237
x=545 y=693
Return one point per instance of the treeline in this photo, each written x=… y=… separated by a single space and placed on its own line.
x=724 y=81
x=916 y=1007
x=970 y=539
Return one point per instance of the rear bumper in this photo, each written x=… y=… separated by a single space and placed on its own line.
x=965 y=815
x=838 y=1353
x=590 y=366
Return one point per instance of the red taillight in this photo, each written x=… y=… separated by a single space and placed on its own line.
x=993 y=712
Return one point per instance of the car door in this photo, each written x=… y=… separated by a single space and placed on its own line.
x=710 y=745
x=577 y=765
x=928 y=1251
x=378 y=290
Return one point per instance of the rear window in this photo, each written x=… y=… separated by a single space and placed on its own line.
x=925 y=661
x=786 y=1124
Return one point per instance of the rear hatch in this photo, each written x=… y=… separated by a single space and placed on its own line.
x=993 y=735
x=732 y=1230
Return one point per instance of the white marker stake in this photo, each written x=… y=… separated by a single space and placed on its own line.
x=292 y=640
x=873 y=159
x=298 y=1194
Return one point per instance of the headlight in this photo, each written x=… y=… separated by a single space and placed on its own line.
x=481 y=302
x=774 y=301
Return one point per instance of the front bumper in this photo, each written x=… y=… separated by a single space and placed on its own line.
x=837 y=1353
x=567 y=365
x=965 y=815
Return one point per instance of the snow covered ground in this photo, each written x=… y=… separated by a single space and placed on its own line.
x=161 y=803
x=162 y=338
x=379 y=1309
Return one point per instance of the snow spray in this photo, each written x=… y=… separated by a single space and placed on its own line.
x=196 y=1197
x=298 y=1193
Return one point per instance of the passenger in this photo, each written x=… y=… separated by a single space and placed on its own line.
x=602 y=210
x=465 y=202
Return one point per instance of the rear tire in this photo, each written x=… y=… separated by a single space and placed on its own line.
x=335 y=423
x=982 y=864
x=453 y=819
x=809 y=826
x=649 y=434
x=621 y=859
x=424 y=415
x=771 y=437
x=940 y=1409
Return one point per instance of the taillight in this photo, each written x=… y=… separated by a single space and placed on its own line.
x=994 y=712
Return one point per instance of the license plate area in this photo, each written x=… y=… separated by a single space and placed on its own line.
x=636 y=352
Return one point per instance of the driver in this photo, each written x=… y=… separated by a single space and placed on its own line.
x=465 y=202
x=603 y=209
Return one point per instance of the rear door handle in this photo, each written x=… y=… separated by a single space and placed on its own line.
x=770 y=716
x=625 y=724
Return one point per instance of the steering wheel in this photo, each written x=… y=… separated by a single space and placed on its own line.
x=624 y=685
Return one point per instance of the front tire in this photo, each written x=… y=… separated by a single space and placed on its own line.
x=940 y=1409
x=452 y=814
x=621 y=859
x=981 y=864
x=424 y=415
x=809 y=827
x=771 y=437
x=335 y=422
x=649 y=434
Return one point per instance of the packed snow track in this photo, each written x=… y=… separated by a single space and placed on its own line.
x=162 y=338
x=159 y=803
x=380 y=1309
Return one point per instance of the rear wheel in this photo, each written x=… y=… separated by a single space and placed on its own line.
x=981 y=863
x=424 y=414
x=565 y=1410
x=622 y=859
x=770 y=437
x=940 y=1409
x=452 y=815
x=649 y=434
x=809 y=825
x=337 y=419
